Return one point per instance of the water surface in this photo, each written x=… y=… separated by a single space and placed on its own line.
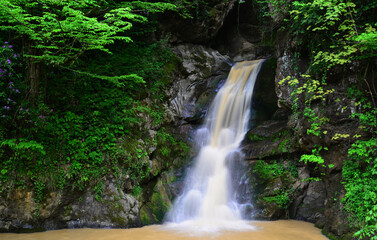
x=276 y=230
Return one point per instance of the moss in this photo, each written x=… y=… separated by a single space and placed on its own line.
x=67 y=210
x=160 y=205
x=276 y=179
x=118 y=220
x=144 y=216
x=159 y=202
x=268 y=38
x=200 y=57
x=333 y=237
x=281 y=199
x=255 y=137
x=284 y=145
x=169 y=68
x=154 y=211
x=213 y=13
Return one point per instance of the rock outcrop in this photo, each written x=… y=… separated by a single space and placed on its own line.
x=67 y=209
x=202 y=70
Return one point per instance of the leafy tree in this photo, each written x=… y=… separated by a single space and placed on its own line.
x=57 y=33
x=82 y=127
x=339 y=30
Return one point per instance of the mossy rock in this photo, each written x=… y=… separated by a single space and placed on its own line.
x=155 y=209
x=270 y=139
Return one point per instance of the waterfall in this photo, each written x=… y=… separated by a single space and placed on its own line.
x=207 y=202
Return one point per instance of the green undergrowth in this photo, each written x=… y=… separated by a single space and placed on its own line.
x=83 y=129
x=360 y=173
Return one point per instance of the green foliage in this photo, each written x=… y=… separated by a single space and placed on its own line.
x=336 y=38
x=281 y=199
x=12 y=88
x=268 y=171
x=367 y=116
x=86 y=128
x=255 y=137
x=87 y=122
x=61 y=31
x=315 y=157
x=308 y=93
x=169 y=146
x=337 y=33
x=274 y=9
x=368 y=39
x=312 y=158
x=360 y=173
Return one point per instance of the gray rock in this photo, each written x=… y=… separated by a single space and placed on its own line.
x=313 y=205
x=19 y=212
x=191 y=93
x=115 y=210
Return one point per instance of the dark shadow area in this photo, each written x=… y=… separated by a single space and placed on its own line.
x=264 y=101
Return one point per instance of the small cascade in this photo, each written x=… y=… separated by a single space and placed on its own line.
x=208 y=201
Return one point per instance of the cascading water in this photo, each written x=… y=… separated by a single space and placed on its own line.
x=207 y=202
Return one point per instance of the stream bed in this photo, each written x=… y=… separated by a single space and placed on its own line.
x=264 y=230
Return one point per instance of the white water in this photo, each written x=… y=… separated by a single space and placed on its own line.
x=207 y=203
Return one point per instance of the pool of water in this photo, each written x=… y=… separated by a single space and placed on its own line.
x=263 y=230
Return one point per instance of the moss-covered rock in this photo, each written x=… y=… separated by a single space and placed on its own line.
x=272 y=138
x=115 y=209
x=274 y=189
x=158 y=204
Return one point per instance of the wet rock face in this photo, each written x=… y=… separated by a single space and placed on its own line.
x=203 y=69
x=199 y=74
x=270 y=138
x=18 y=211
x=161 y=194
x=313 y=203
x=284 y=69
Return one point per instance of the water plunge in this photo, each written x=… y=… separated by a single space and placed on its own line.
x=207 y=202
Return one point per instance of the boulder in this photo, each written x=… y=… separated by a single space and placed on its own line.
x=312 y=206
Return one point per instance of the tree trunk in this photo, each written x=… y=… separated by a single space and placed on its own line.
x=34 y=74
